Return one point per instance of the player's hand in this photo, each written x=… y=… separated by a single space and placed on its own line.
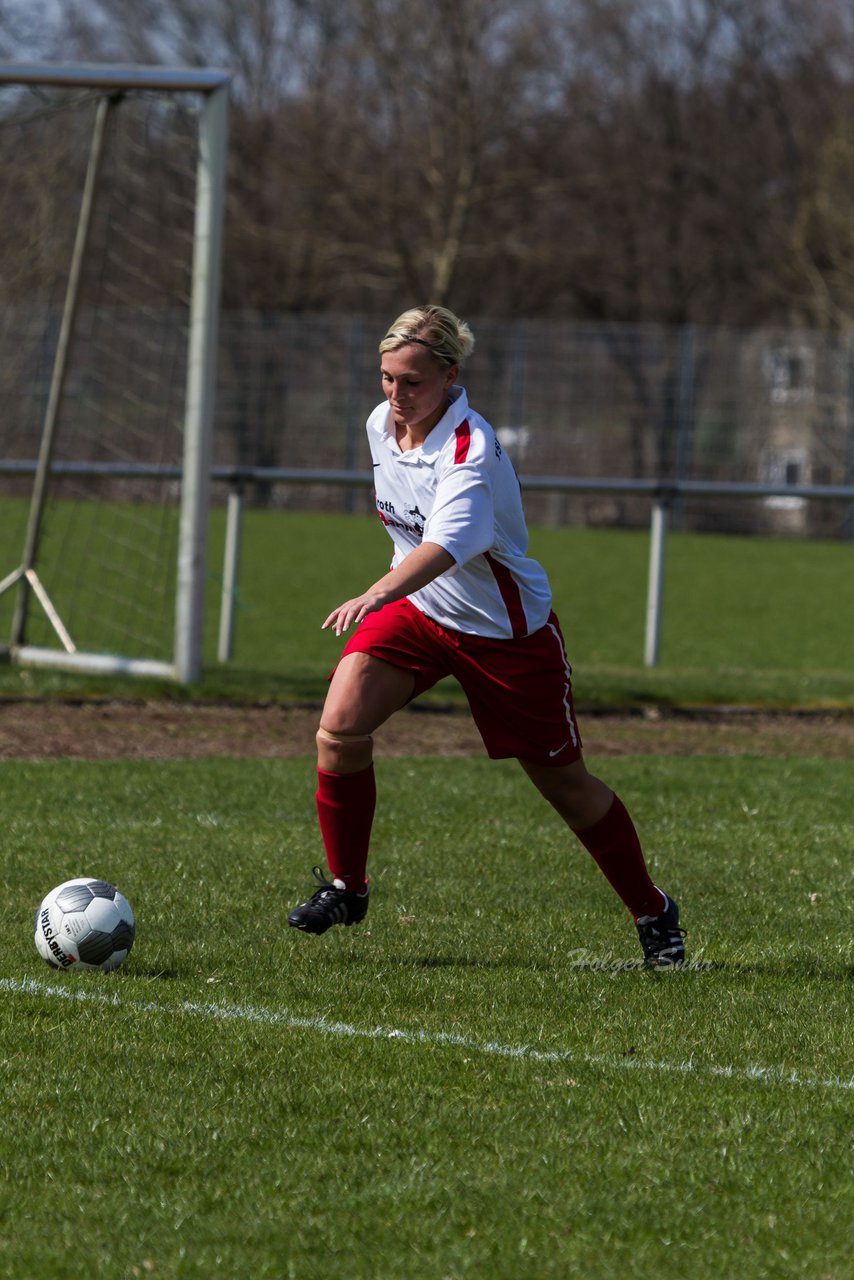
x=352 y=612
x=419 y=567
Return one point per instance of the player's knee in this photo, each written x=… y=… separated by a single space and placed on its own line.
x=579 y=797
x=343 y=752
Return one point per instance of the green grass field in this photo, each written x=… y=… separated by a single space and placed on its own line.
x=746 y=620
x=478 y=1081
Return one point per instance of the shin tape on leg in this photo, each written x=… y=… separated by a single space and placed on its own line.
x=343 y=739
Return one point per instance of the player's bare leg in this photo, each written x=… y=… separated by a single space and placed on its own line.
x=363 y=693
x=603 y=825
x=580 y=798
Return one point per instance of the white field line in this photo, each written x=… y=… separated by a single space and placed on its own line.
x=281 y=1018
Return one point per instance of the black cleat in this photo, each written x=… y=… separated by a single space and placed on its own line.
x=331 y=904
x=661 y=938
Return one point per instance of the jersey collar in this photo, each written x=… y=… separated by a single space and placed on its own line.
x=456 y=412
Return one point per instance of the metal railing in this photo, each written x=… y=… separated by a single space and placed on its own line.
x=663 y=494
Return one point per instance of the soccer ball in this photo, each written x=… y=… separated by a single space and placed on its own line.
x=84 y=924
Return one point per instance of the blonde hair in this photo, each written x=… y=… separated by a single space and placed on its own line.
x=449 y=338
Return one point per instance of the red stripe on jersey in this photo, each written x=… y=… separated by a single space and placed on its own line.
x=463 y=434
x=511 y=595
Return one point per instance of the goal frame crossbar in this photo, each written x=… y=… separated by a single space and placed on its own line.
x=212 y=84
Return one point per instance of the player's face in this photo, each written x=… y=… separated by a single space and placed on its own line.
x=416 y=386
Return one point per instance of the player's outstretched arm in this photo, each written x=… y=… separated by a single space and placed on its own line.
x=426 y=562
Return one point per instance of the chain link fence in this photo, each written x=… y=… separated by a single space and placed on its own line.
x=601 y=401
x=587 y=401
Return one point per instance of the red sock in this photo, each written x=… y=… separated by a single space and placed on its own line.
x=345 y=809
x=613 y=844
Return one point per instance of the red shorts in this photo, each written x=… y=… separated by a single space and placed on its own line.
x=519 y=691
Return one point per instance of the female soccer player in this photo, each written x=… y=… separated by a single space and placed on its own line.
x=463 y=599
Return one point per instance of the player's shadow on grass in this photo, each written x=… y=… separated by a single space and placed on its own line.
x=158 y=973
x=516 y=963
x=807 y=967
x=437 y=961
x=613 y=965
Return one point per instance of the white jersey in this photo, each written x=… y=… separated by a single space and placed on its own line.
x=459 y=490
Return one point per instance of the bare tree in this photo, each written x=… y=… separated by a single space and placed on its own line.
x=681 y=161
x=823 y=233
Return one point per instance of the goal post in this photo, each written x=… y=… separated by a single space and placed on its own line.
x=124 y=362
x=201 y=370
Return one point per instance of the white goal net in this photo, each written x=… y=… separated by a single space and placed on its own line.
x=110 y=233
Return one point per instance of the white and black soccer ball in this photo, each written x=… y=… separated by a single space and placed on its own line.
x=85 y=924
